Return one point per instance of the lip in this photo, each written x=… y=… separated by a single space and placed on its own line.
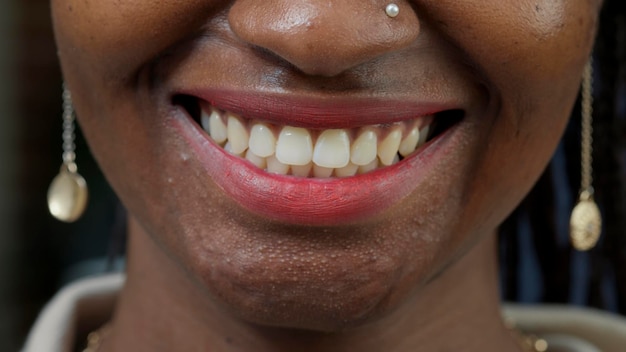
x=311 y=201
x=317 y=112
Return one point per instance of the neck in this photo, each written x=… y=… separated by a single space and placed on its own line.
x=163 y=310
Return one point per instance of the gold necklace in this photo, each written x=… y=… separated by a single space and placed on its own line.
x=95 y=338
x=529 y=342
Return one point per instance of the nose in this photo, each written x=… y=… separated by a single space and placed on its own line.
x=324 y=37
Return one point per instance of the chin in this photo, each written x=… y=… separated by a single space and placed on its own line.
x=299 y=299
x=315 y=279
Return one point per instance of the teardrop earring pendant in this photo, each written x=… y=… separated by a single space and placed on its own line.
x=67 y=195
x=586 y=221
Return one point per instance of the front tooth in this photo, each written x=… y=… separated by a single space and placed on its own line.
x=214 y=125
x=332 y=149
x=238 y=136
x=294 y=146
x=363 y=149
x=301 y=170
x=275 y=166
x=369 y=167
x=322 y=172
x=423 y=135
x=262 y=140
x=255 y=159
x=409 y=143
x=388 y=148
x=347 y=171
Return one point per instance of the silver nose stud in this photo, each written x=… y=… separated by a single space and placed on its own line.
x=392 y=10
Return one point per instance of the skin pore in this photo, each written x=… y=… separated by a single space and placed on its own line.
x=205 y=273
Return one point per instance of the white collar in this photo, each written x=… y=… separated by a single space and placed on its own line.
x=79 y=307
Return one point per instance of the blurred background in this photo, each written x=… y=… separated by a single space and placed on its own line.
x=38 y=254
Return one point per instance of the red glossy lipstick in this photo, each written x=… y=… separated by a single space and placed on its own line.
x=312 y=201
x=318 y=112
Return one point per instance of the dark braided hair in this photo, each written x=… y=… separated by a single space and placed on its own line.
x=538 y=264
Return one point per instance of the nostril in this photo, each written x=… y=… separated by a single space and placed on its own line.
x=320 y=37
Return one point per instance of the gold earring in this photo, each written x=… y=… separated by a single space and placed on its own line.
x=586 y=221
x=67 y=195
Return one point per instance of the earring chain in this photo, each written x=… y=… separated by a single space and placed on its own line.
x=586 y=133
x=69 y=147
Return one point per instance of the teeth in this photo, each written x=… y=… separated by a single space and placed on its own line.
x=229 y=148
x=423 y=135
x=322 y=172
x=347 y=171
x=332 y=149
x=237 y=135
x=409 y=143
x=294 y=146
x=301 y=170
x=388 y=148
x=363 y=149
x=214 y=125
x=258 y=161
x=276 y=167
x=369 y=167
x=298 y=152
x=262 y=140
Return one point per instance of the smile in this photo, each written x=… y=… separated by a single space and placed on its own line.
x=303 y=152
x=316 y=162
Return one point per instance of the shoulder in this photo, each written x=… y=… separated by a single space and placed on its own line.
x=78 y=308
x=570 y=328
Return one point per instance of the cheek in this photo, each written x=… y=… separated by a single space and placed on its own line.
x=116 y=38
x=518 y=43
x=529 y=55
x=520 y=145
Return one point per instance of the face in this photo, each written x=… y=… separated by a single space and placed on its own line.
x=492 y=81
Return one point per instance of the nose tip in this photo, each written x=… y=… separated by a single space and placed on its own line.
x=323 y=37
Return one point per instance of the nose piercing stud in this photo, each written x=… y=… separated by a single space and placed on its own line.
x=392 y=10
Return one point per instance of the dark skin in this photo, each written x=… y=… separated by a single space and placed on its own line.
x=205 y=274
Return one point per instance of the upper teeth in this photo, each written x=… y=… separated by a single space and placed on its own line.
x=319 y=153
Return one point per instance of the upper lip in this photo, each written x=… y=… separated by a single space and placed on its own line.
x=317 y=112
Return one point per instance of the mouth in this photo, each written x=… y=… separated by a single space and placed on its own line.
x=295 y=150
x=313 y=162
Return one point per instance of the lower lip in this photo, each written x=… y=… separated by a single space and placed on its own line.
x=312 y=201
